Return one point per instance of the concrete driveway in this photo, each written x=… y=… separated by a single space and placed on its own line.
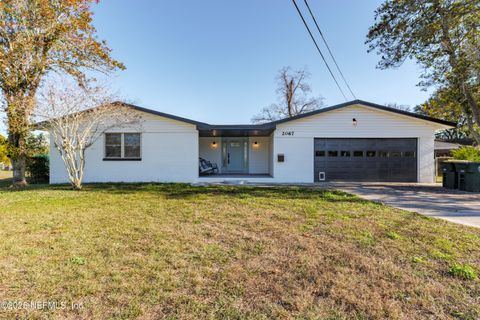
x=430 y=200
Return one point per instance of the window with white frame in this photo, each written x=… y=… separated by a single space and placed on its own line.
x=122 y=146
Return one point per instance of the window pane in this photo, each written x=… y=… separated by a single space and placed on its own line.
x=113 y=151
x=319 y=153
x=132 y=139
x=344 y=153
x=113 y=138
x=358 y=153
x=113 y=145
x=132 y=145
x=333 y=153
x=132 y=152
x=371 y=154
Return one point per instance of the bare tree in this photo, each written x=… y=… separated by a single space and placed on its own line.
x=401 y=107
x=76 y=117
x=293 y=92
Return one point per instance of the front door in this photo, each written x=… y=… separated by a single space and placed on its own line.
x=235 y=155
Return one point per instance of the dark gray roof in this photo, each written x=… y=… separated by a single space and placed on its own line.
x=236 y=130
x=161 y=114
x=368 y=104
x=272 y=125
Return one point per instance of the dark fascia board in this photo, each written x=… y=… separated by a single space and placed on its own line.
x=161 y=114
x=368 y=104
x=271 y=125
x=200 y=125
x=265 y=126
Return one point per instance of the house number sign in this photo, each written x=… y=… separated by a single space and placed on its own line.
x=288 y=133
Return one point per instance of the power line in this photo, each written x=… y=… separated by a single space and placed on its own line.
x=328 y=48
x=318 y=48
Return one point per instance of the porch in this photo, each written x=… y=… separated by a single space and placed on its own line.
x=237 y=179
x=239 y=152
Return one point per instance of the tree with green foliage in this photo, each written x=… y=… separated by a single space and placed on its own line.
x=37 y=144
x=37 y=37
x=4 y=150
x=443 y=36
x=444 y=104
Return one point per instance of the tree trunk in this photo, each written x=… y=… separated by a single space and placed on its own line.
x=18 y=165
x=475 y=113
x=19 y=108
x=18 y=159
x=290 y=94
x=77 y=184
x=474 y=133
x=471 y=108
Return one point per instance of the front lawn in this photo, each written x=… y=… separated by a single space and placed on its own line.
x=5 y=177
x=182 y=252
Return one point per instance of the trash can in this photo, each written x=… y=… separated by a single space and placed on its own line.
x=468 y=175
x=450 y=177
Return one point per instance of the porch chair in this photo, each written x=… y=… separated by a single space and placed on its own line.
x=207 y=167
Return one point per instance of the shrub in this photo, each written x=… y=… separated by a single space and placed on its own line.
x=467 y=153
x=463 y=271
x=38 y=168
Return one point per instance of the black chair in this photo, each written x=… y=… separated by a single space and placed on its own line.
x=207 y=167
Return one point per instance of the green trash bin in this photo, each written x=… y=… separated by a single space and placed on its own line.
x=449 y=175
x=468 y=175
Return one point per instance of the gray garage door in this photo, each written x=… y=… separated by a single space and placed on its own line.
x=383 y=160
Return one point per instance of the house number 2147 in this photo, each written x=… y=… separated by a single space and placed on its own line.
x=288 y=133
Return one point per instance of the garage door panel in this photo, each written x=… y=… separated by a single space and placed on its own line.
x=365 y=159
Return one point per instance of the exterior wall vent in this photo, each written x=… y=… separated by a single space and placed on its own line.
x=321 y=176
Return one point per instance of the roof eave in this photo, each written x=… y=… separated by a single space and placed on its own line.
x=448 y=124
x=161 y=114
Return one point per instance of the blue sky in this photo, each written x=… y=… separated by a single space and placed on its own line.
x=216 y=60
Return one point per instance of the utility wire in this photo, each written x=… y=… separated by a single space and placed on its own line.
x=318 y=48
x=328 y=47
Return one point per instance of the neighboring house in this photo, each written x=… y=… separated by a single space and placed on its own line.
x=444 y=148
x=354 y=141
x=443 y=151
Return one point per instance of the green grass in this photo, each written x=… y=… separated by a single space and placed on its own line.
x=171 y=251
x=463 y=271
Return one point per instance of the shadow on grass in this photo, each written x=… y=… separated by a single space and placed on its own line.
x=5 y=183
x=187 y=191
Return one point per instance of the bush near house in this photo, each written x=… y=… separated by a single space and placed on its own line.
x=38 y=168
x=467 y=153
x=153 y=251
